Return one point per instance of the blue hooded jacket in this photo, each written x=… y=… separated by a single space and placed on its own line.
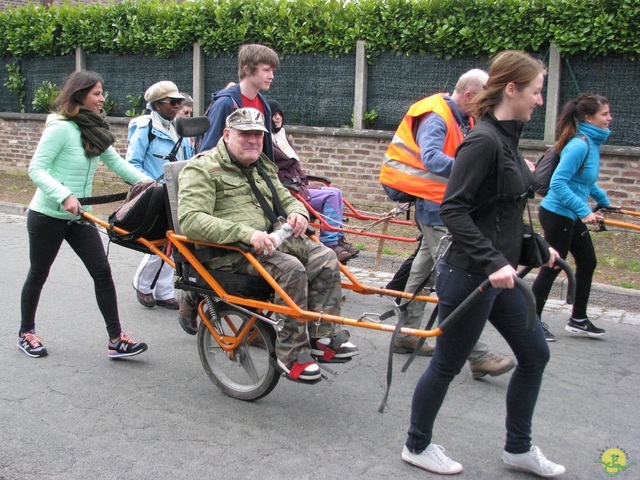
x=571 y=187
x=140 y=151
x=224 y=103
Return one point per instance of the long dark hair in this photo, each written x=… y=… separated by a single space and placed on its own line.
x=75 y=90
x=574 y=112
x=510 y=66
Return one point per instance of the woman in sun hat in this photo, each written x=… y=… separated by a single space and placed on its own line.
x=150 y=137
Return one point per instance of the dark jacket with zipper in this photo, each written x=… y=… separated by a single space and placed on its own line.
x=486 y=225
x=223 y=104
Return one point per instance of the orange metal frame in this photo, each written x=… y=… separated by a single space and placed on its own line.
x=351 y=211
x=322 y=224
x=227 y=342
x=180 y=242
x=290 y=308
x=630 y=212
x=616 y=223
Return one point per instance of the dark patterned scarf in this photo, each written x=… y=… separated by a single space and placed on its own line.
x=94 y=131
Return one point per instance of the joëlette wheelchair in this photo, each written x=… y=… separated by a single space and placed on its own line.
x=237 y=331
x=370 y=222
x=612 y=220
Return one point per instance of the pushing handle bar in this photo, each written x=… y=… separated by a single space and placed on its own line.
x=484 y=286
x=598 y=208
x=571 y=279
x=568 y=271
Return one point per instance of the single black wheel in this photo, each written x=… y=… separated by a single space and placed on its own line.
x=245 y=373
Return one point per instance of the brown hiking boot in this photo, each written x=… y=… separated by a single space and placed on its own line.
x=188 y=311
x=348 y=247
x=342 y=254
x=492 y=365
x=409 y=345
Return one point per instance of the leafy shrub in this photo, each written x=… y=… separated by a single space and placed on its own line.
x=137 y=106
x=448 y=28
x=45 y=98
x=108 y=105
x=368 y=118
x=15 y=83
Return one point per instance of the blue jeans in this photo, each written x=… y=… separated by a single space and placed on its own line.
x=506 y=310
x=431 y=247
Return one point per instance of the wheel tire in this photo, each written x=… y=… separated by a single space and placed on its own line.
x=249 y=374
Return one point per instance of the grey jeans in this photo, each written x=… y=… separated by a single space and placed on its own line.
x=433 y=245
x=314 y=286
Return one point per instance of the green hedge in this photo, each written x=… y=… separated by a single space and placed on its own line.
x=447 y=28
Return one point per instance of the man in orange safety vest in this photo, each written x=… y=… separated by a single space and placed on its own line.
x=418 y=162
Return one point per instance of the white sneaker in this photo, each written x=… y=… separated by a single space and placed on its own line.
x=432 y=459
x=533 y=461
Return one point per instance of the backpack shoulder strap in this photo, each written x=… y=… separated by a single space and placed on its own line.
x=150 y=135
x=482 y=127
x=584 y=162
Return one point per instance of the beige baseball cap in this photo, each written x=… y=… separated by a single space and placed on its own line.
x=246 y=119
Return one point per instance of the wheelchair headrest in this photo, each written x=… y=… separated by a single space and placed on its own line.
x=192 y=127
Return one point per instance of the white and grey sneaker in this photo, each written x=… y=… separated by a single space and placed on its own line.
x=432 y=459
x=533 y=461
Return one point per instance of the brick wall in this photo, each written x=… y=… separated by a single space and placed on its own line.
x=350 y=158
x=351 y=161
x=13 y=3
x=19 y=136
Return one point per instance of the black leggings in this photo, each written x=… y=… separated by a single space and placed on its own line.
x=45 y=238
x=566 y=236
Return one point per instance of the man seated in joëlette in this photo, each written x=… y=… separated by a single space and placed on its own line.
x=217 y=203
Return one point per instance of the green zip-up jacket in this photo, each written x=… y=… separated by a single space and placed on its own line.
x=216 y=203
x=60 y=168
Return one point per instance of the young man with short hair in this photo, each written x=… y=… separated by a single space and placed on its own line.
x=256 y=64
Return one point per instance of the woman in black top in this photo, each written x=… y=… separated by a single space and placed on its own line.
x=487 y=233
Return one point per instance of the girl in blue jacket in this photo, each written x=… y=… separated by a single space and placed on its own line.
x=564 y=213
x=73 y=142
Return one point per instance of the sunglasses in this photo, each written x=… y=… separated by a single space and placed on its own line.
x=174 y=102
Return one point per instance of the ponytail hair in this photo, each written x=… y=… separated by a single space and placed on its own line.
x=574 y=112
x=510 y=66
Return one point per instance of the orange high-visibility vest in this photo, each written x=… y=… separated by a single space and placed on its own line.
x=402 y=167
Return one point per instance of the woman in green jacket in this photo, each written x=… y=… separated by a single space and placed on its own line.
x=73 y=142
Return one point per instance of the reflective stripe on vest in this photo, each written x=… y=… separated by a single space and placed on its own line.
x=402 y=167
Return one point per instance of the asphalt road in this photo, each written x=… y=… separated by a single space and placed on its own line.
x=77 y=415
